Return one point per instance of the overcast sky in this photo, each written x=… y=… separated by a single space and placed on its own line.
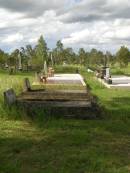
x=103 y=24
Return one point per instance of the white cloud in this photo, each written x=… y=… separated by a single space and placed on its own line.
x=101 y=34
x=13 y=38
x=104 y=24
x=30 y=29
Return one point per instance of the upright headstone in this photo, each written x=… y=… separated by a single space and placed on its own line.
x=52 y=62
x=103 y=72
x=9 y=97
x=37 y=77
x=20 y=62
x=107 y=73
x=27 y=86
x=45 y=68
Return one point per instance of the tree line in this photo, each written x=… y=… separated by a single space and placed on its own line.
x=30 y=58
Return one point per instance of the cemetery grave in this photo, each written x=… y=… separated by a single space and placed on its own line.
x=116 y=82
x=62 y=102
x=66 y=136
x=63 y=80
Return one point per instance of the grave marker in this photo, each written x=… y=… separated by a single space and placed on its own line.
x=9 y=97
x=107 y=73
x=27 y=86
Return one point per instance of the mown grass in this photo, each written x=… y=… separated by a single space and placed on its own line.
x=68 y=145
x=116 y=70
x=115 y=102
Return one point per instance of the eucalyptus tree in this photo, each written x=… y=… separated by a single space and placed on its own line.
x=59 y=52
x=3 y=58
x=123 y=56
x=13 y=59
x=41 y=51
x=24 y=58
x=97 y=58
x=92 y=56
x=30 y=54
x=82 y=56
x=69 y=56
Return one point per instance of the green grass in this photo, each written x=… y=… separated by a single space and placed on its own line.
x=67 y=145
x=7 y=82
x=115 y=102
x=67 y=68
x=121 y=71
x=58 y=87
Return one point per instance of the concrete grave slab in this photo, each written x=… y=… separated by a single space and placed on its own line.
x=65 y=79
x=118 y=82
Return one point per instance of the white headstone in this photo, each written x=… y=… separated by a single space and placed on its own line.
x=52 y=60
x=45 y=68
x=20 y=62
x=107 y=73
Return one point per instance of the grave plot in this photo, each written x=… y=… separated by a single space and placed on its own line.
x=61 y=102
x=117 y=82
x=63 y=80
x=109 y=81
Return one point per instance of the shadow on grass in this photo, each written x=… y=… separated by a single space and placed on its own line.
x=64 y=150
x=13 y=112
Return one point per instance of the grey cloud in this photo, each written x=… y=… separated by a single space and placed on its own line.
x=97 y=16
x=80 y=18
x=94 y=10
x=31 y=8
x=5 y=31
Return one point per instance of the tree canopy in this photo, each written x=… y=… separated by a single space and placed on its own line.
x=34 y=56
x=123 y=56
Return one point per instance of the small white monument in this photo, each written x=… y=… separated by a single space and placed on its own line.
x=107 y=73
x=20 y=62
x=52 y=62
x=45 y=67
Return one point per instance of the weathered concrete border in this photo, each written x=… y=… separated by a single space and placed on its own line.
x=114 y=86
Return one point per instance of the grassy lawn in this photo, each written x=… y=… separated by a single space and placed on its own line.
x=66 y=145
x=121 y=71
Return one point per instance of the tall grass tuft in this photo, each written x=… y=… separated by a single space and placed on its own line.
x=7 y=82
